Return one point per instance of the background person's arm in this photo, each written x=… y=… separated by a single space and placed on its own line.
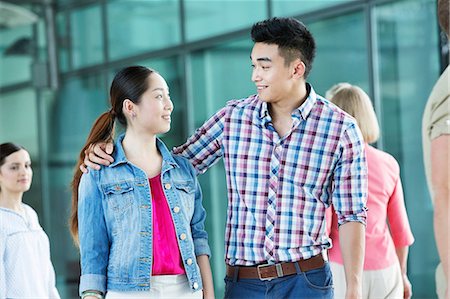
x=440 y=181
x=352 y=240
x=402 y=255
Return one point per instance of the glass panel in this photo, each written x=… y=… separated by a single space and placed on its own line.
x=63 y=41
x=16 y=54
x=146 y=25
x=86 y=36
x=18 y=119
x=218 y=74
x=408 y=68
x=79 y=102
x=292 y=7
x=208 y=18
x=343 y=48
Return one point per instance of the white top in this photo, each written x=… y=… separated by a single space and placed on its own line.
x=26 y=270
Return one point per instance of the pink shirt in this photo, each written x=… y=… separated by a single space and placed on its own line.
x=166 y=254
x=385 y=203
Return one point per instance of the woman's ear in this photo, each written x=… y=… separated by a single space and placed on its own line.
x=128 y=108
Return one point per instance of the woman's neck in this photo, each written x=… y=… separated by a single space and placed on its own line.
x=141 y=150
x=10 y=200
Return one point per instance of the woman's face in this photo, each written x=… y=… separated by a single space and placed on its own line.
x=155 y=107
x=16 y=173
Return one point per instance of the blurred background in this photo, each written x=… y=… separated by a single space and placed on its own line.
x=57 y=60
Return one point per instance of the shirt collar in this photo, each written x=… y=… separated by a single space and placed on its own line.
x=300 y=112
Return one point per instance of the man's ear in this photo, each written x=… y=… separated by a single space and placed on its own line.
x=298 y=68
x=128 y=108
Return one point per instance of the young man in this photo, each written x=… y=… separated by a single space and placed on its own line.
x=436 y=149
x=288 y=154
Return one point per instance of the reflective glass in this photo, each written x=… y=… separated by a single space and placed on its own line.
x=18 y=119
x=218 y=74
x=16 y=54
x=63 y=42
x=341 y=53
x=408 y=68
x=86 y=36
x=80 y=101
x=295 y=7
x=212 y=17
x=139 y=26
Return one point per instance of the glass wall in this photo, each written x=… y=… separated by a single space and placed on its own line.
x=202 y=48
x=408 y=68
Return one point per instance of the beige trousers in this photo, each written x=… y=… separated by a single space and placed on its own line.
x=162 y=286
x=377 y=284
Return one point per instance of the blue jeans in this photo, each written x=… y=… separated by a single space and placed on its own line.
x=317 y=283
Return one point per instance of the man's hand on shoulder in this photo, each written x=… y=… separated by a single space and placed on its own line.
x=97 y=154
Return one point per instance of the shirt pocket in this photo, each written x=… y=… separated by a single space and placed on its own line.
x=119 y=196
x=186 y=193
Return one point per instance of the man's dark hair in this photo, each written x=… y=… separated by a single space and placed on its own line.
x=292 y=37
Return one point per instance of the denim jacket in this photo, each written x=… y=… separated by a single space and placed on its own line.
x=115 y=222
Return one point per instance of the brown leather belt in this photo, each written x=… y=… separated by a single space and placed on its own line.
x=271 y=271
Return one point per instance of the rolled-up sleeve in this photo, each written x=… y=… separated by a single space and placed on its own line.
x=94 y=241
x=199 y=234
x=350 y=178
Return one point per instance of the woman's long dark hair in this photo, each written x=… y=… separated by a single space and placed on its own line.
x=129 y=83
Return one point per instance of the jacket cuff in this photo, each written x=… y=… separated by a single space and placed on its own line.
x=95 y=282
x=201 y=247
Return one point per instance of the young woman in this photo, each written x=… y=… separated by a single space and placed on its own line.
x=140 y=221
x=386 y=252
x=25 y=267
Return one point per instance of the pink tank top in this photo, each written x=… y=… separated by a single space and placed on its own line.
x=166 y=254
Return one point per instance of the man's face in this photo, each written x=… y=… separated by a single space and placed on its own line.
x=273 y=79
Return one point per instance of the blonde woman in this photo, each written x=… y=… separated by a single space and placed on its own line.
x=388 y=234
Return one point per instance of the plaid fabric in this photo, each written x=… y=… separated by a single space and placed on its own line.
x=280 y=187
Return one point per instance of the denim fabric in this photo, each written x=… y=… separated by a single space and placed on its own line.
x=115 y=222
x=317 y=283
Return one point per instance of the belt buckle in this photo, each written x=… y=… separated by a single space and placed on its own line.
x=277 y=267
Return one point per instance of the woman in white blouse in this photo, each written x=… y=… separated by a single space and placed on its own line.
x=25 y=267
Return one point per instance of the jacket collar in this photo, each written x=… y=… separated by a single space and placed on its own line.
x=120 y=158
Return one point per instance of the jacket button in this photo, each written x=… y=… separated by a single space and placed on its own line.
x=183 y=236
x=167 y=186
x=195 y=285
x=189 y=262
x=176 y=209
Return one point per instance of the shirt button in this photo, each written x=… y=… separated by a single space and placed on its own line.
x=183 y=236
x=167 y=186
x=189 y=262
x=195 y=285
x=176 y=209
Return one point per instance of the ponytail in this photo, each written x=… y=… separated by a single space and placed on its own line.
x=102 y=131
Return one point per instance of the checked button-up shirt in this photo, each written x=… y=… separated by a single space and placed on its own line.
x=280 y=186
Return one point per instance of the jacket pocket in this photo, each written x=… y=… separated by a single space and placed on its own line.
x=186 y=193
x=119 y=195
